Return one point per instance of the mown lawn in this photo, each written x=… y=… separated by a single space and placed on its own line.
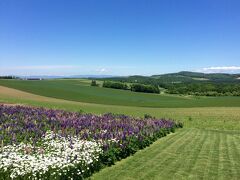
x=187 y=154
x=80 y=90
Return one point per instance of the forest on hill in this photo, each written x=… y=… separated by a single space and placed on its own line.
x=192 y=83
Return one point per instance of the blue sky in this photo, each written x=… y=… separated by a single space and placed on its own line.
x=119 y=37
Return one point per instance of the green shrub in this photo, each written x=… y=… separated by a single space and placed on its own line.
x=145 y=88
x=148 y=116
x=94 y=83
x=115 y=85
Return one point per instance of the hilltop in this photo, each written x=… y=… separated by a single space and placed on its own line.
x=181 y=77
x=191 y=83
x=186 y=76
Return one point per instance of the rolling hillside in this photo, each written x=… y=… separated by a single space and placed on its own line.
x=181 y=77
x=190 y=83
x=206 y=148
x=79 y=90
x=186 y=76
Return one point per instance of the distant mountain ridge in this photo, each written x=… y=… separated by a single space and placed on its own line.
x=200 y=75
x=179 y=77
x=60 y=77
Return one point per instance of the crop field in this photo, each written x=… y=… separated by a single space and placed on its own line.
x=221 y=118
x=81 y=91
x=207 y=147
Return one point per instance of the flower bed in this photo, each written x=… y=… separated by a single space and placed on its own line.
x=51 y=144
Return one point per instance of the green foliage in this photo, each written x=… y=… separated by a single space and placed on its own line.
x=148 y=116
x=205 y=89
x=115 y=85
x=192 y=83
x=80 y=111
x=136 y=87
x=94 y=83
x=144 y=88
x=8 y=77
x=135 y=143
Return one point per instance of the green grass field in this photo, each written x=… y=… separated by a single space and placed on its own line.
x=208 y=147
x=80 y=90
x=222 y=118
x=187 y=154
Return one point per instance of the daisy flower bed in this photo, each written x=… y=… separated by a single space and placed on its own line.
x=38 y=143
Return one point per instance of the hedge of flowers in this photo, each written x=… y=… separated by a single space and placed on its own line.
x=38 y=143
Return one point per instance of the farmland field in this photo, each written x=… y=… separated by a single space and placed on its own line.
x=81 y=91
x=206 y=148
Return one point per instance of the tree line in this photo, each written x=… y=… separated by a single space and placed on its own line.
x=136 y=87
x=204 y=89
x=8 y=77
x=147 y=85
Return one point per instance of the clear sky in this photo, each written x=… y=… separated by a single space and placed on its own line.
x=119 y=37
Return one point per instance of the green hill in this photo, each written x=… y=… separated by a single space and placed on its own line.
x=191 y=83
x=80 y=90
x=186 y=76
x=181 y=77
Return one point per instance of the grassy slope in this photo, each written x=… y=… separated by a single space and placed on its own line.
x=195 y=152
x=79 y=90
x=211 y=117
